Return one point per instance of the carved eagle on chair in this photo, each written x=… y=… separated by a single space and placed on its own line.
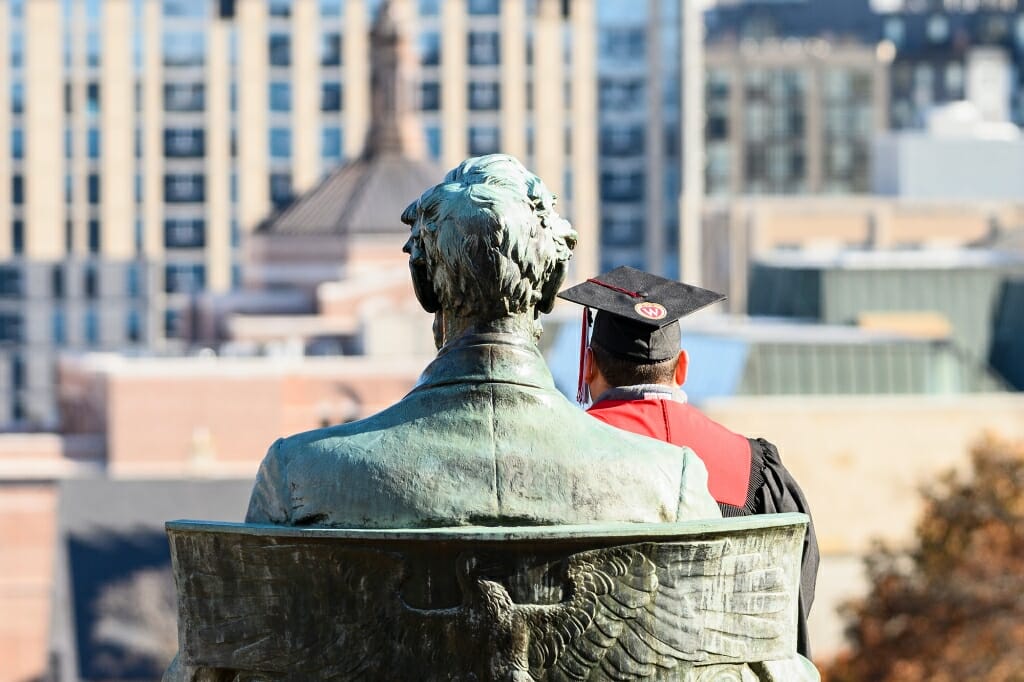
x=638 y=612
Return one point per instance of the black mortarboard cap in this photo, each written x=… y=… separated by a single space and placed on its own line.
x=638 y=312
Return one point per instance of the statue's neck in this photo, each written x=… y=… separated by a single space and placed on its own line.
x=448 y=328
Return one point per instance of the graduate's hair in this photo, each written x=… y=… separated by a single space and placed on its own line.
x=488 y=239
x=625 y=372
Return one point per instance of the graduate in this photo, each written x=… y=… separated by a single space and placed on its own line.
x=632 y=364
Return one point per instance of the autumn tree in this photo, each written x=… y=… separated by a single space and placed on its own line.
x=951 y=609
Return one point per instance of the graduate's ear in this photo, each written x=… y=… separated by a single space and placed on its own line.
x=589 y=367
x=682 y=367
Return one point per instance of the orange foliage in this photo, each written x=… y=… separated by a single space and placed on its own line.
x=952 y=609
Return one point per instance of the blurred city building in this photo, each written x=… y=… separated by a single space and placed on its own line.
x=793 y=116
x=142 y=144
x=960 y=155
x=935 y=43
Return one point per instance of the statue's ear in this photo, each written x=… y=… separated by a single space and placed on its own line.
x=423 y=285
x=549 y=291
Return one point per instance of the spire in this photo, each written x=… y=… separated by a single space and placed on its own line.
x=395 y=126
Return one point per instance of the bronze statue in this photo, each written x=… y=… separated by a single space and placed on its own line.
x=484 y=528
x=484 y=438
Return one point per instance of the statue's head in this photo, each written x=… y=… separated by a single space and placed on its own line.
x=486 y=243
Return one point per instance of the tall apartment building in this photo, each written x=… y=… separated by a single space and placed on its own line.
x=793 y=117
x=141 y=141
x=936 y=43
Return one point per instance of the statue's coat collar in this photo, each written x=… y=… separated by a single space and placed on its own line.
x=493 y=357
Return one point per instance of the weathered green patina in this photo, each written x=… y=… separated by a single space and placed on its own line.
x=484 y=438
x=684 y=602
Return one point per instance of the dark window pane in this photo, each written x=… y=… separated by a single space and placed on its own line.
x=184 y=143
x=184 y=97
x=483 y=140
x=183 y=233
x=281 y=189
x=184 y=188
x=280 y=49
x=330 y=147
x=94 y=188
x=430 y=96
x=330 y=49
x=280 y=97
x=280 y=143
x=330 y=96
x=184 y=278
x=484 y=48
x=484 y=96
x=94 y=236
x=430 y=48
x=184 y=48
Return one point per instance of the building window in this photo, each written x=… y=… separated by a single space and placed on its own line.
x=622 y=186
x=184 y=278
x=330 y=49
x=133 y=326
x=17 y=49
x=91 y=285
x=483 y=140
x=483 y=6
x=196 y=9
x=18 y=237
x=93 y=48
x=330 y=144
x=10 y=327
x=280 y=49
x=430 y=96
x=893 y=30
x=57 y=281
x=184 y=97
x=93 y=139
x=618 y=94
x=484 y=48
x=10 y=281
x=94 y=236
x=94 y=188
x=280 y=8
x=92 y=98
x=281 y=189
x=330 y=96
x=17 y=372
x=622 y=140
x=184 y=233
x=280 y=96
x=280 y=143
x=430 y=8
x=938 y=28
x=184 y=188
x=17 y=98
x=92 y=327
x=17 y=144
x=622 y=44
x=484 y=96
x=430 y=48
x=172 y=322
x=184 y=49
x=133 y=285
x=59 y=330
x=434 y=141
x=330 y=8
x=17 y=190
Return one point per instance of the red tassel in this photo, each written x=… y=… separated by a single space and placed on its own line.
x=582 y=390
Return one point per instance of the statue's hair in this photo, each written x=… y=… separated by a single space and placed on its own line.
x=489 y=237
